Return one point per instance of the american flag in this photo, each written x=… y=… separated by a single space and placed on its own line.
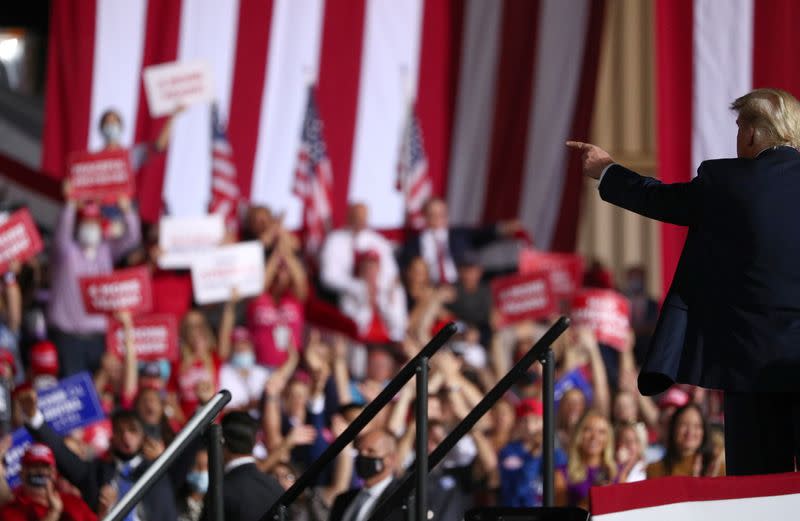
x=313 y=179
x=225 y=194
x=413 y=179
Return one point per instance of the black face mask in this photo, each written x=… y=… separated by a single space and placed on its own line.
x=122 y=456
x=37 y=480
x=367 y=466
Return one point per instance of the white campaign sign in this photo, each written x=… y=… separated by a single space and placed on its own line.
x=182 y=239
x=170 y=86
x=216 y=272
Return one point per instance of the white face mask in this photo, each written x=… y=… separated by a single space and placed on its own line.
x=111 y=131
x=90 y=234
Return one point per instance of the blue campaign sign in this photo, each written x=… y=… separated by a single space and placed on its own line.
x=71 y=404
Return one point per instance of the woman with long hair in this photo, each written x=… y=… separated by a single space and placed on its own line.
x=689 y=451
x=591 y=458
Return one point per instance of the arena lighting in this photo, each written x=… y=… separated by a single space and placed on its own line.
x=10 y=48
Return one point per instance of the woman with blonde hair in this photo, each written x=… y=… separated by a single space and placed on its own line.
x=591 y=458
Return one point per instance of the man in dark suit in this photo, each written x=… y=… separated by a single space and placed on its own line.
x=376 y=464
x=103 y=482
x=443 y=247
x=731 y=319
x=247 y=492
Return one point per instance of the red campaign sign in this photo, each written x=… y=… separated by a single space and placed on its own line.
x=121 y=290
x=19 y=239
x=564 y=269
x=154 y=336
x=104 y=176
x=606 y=312
x=520 y=297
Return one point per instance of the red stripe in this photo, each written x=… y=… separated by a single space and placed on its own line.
x=775 y=44
x=457 y=10
x=434 y=106
x=667 y=491
x=30 y=179
x=161 y=45
x=566 y=231
x=337 y=92
x=249 y=77
x=674 y=78
x=520 y=27
x=70 y=59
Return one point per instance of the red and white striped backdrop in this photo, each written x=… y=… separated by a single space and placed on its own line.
x=500 y=85
x=708 y=53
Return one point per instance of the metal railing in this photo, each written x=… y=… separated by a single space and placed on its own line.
x=159 y=467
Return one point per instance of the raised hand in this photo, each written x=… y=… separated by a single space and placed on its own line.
x=595 y=159
x=302 y=435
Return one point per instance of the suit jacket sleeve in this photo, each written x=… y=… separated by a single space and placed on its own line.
x=675 y=203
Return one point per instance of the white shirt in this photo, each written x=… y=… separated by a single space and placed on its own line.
x=238 y=462
x=337 y=259
x=375 y=492
x=391 y=306
x=244 y=388
x=429 y=241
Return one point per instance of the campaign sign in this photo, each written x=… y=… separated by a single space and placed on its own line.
x=19 y=239
x=606 y=312
x=170 y=86
x=215 y=273
x=71 y=404
x=565 y=270
x=521 y=297
x=155 y=337
x=103 y=176
x=120 y=290
x=181 y=239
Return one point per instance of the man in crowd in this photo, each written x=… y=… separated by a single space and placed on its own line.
x=729 y=320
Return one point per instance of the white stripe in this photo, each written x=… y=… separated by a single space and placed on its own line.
x=746 y=509
x=472 y=131
x=222 y=146
x=226 y=187
x=224 y=166
x=293 y=58
x=116 y=70
x=389 y=67
x=207 y=32
x=723 y=71
x=559 y=57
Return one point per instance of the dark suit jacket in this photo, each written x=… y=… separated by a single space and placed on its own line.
x=90 y=476
x=731 y=319
x=344 y=499
x=459 y=241
x=248 y=493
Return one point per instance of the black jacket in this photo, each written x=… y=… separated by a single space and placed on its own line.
x=459 y=242
x=344 y=499
x=248 y=493
x=731 y=319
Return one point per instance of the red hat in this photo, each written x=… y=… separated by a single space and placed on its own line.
x=528 y=407
x=6 y=357
x=38 y=453
x=674 y=397
x=240 y=334
x=89 y=210
x=44 y=358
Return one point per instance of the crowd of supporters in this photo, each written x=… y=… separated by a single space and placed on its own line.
x=296 y=385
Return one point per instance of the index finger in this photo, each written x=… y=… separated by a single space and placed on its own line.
x=577 y=145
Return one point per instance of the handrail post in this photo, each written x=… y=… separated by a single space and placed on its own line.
x=548 y=382
x=216 y=501
x=422 y=440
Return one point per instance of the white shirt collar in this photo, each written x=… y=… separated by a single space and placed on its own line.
x=238 y=462
x=131 y=463
x=377 y=489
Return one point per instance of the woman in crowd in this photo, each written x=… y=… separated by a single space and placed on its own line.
x=631 y=442
x=195 y=488
x=590 y=461
x=241 y=375
x=688 y=448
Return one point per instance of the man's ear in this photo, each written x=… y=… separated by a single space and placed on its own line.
x=751 y=135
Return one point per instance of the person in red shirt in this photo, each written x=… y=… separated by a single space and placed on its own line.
x=37 y=497
x=276 y=317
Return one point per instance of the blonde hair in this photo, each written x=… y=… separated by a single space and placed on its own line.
x=773 y=112
x=577 y=468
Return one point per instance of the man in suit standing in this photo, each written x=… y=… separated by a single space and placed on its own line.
x=731 y=319
x=376 y=464
x=247 y=492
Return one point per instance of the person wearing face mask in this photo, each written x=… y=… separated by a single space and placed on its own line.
x=110 y=127
x=375 y=464
x=103 y=482
x=37 y=497
x=241 y=375
x=79 y=250
x=195 y=489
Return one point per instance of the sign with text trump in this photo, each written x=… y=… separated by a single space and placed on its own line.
x=170 y=86
x=217 y=272
x=155 y=337
x=522 y=297
x=565 y=270
x=19 y=239
x=103 y=176
x=181 y=239
x=605 y=312
x=121 y=290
